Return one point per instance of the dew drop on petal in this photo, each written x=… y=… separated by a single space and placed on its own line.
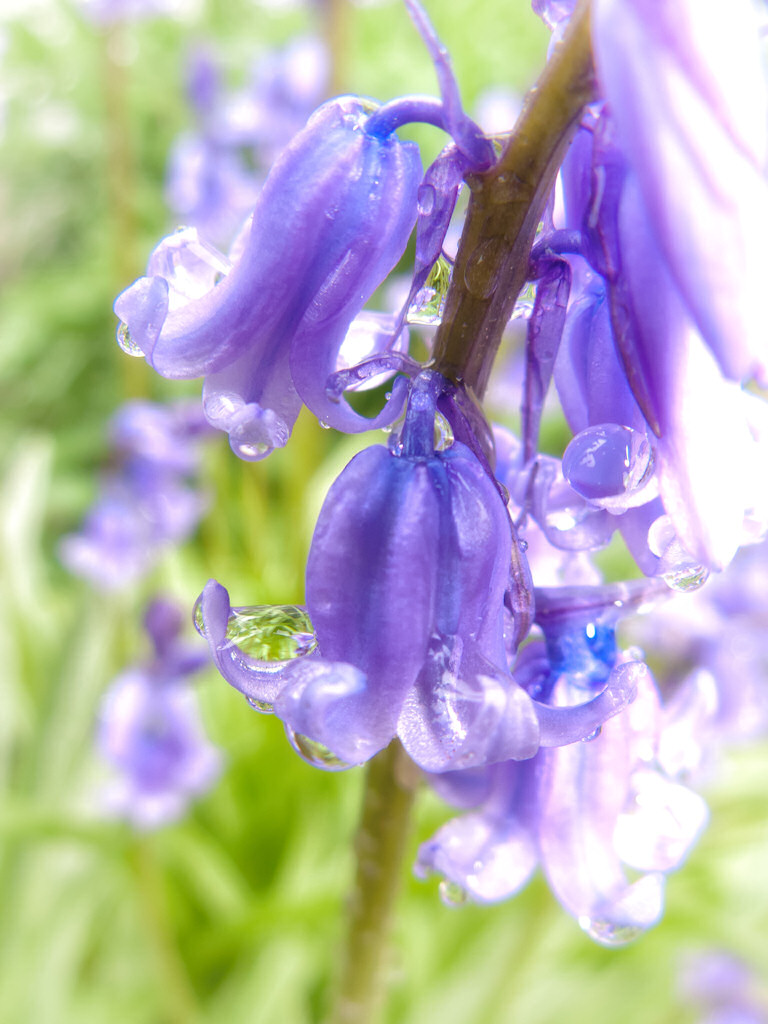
x=452 y=894
x=610 y=465
x=260 y=705
x=443 y=433
x=686 y=579
x=126 y=342
x=314 y=753
x=608 y=933
x=272 y=632
x=251 y=449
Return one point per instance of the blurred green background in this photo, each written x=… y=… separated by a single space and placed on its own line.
x=236 y=913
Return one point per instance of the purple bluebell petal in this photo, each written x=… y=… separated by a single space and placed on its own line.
x=705 y=463
x=330 y=703
x=687 y=90
x=545 y=327
x=661 y=823
x=463 y=712
x=569 y=724
x=590 y=380
x=486 y=858
x=583 y=789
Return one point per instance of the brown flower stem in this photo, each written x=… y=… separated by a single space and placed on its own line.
x=505 y=209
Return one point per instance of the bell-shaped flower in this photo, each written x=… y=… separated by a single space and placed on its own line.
x=150 y=731
x=331 y=222
x=413 y=576
x=580 y=811
x=406 y=579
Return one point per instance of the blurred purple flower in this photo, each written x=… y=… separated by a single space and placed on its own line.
x=216 y=171
x=723 y=989
x=150 y=731
x=147 y=501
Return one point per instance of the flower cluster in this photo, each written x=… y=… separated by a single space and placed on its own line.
x=451 y=599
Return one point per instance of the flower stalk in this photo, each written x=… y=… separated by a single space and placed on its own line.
x=505 y=209
x=379 y=848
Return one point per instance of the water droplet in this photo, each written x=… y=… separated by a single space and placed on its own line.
x=314 y=753
x=687 y=578
x=197 y=618
x=252 y=450
x=429 y=303
x=452 y=894
x=522 y=544
x=443 y=433
x=593 y=735
x=608 y=933
x=324 y=425
x=261 y=706
x=426 y=200
x=126 y=342
x=611 y=466
x=679 y=570
x=278 y=632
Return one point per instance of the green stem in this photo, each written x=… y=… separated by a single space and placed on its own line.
x=380 y=847
x=505 y=209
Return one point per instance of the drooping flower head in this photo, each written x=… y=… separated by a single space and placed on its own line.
x=266 y=328
x=416 y=590
x=150 y=731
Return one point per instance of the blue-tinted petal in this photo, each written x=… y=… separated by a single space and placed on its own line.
x=687 y=89
x=464 y=712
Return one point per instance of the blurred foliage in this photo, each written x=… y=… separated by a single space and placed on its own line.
x=235 y=914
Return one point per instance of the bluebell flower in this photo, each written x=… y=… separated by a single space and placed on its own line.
x=150 y=731
x=415 y=584
x=331 y=222
x=722 y=988
x=583 y=810
x=147 y=501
